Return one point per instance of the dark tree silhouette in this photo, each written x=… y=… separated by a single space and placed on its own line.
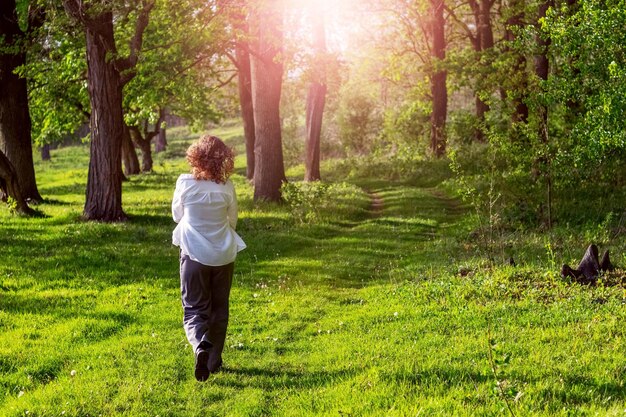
x=9 y=186
x=15 y=122
x=107 y=73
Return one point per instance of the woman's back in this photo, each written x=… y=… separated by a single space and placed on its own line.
x=206 y=213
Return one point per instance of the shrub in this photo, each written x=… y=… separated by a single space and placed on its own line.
x=317 y=202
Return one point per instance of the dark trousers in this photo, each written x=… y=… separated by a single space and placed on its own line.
x=205 y=291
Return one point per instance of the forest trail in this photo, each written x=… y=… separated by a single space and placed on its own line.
x=377 y=204
x=404 y=231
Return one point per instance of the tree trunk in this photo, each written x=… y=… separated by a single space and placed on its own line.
x=314 y=114
x=542 y=64
x=315 y=104
x=9 y=186
x=438 y=87
x=542 y=67
x=15 y=123
x=266 y=72
x=146 y=156
x=144 y=145
x=245 y=94
x=483 y=42
x=161 y=142
x=45 y=152
x=107 y=73
x=129 y=155
x=104 y=182
x=520 y=114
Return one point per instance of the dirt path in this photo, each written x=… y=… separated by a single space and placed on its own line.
x=377 y=205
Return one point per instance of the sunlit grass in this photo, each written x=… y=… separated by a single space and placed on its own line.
x=359 y=312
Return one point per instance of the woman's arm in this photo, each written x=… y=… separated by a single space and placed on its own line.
x=232 y=208
x=177 y=203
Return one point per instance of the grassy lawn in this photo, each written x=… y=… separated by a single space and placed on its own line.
x=346 y=310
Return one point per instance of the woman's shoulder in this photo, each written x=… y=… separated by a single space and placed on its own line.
x=188 y=180
x=183 y=177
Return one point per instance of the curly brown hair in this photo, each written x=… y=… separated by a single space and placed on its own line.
x=211 y=159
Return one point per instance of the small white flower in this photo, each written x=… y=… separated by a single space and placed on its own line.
x=20 y=394
x=73 y=372
x=395 y=314
x=255 y=295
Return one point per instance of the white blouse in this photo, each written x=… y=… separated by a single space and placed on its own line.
x=206 y=213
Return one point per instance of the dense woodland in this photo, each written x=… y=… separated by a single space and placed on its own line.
x=526 y=95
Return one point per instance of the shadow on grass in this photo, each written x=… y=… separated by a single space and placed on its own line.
x=55 y=202
x=357 y=253
x=59 y=190
x=275 y=379
x=437 y=376
x=580 y=390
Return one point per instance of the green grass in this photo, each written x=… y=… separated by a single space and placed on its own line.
x=357 y=313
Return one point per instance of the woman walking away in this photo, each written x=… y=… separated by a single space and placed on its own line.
x=205 y=208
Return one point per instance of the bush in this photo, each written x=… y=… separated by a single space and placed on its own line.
x=317 y=202
x=358 y=120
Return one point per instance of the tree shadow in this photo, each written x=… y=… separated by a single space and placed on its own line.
x=59 y=190
x=56 y=202
x=278 y=379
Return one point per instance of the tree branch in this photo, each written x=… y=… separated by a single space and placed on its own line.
x=125 y=64
x=36 y=18
x=473 y=37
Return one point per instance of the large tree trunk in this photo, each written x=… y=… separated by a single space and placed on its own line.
x=267 y=70
x=129 y=155
x=15 y=123
x=242 y=56
x=438 y=87
x=315 y=104
x=9 y=186
x=107 y=73
x=104 y=182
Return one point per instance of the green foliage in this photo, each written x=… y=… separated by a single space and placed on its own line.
x=179 y=65
x=591 y=75
x=408 y=125
x=12 y=205
x=56 y=71
x=358 y=119
x=312 y=202
x=179 y=68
